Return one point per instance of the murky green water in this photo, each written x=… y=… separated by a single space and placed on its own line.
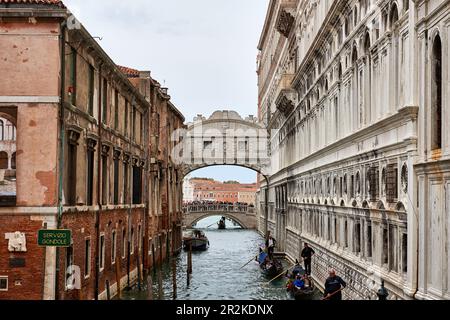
x=217 y=273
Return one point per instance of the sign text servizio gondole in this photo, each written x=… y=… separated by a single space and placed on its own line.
x=54 y=238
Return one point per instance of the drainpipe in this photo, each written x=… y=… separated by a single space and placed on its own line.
x=99 y=201
x=266 y=204
x=146 y=178
x=63 y=29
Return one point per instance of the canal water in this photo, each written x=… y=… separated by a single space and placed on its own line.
x=217 y=272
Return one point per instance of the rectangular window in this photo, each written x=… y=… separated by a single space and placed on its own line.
x=125 y=128
x=73 y=77
x=69 y=265
x=87 y=258
x=102 y=252
x=124 y=243
x=104 y=179
x=116 y=110
x=91 y=90
x=369 y=241
x=116 y=181
x=357 y=238
x=3 y=283
x=137 y=185
x=132 y=241
x=113 y=247
x=139 y=238
x=72 y=173
x=105 y=102
x=345 y=234
x=90 y=177
x=125 y=182
x=405 y=253
x=385 y=246
x=133 y=124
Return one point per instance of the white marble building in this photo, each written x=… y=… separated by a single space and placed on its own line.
x=356 y=96
x=188 y=189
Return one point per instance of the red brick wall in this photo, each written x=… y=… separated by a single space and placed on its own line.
x=109 y=220
x=31 y=278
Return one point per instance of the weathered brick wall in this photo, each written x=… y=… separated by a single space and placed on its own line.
x=82 y=225
x=24 y=283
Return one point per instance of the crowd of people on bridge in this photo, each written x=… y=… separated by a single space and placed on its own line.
x=207 y=205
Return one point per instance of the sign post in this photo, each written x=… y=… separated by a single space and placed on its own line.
x=54 y=238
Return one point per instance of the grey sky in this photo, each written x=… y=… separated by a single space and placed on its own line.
x=203 y=50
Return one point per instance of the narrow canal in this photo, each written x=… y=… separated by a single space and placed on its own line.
x=217 y=272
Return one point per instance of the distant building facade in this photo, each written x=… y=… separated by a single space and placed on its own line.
x=210 y=190
x=353 y=93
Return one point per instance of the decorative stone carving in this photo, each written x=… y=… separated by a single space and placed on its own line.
x=17 y=242
x=285 y=22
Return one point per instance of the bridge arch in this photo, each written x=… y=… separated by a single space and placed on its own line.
x=223 y=214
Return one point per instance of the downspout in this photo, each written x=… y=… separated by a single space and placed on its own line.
x=145 y=177
x=99 y=202
x=266 y=205
x=63 y=29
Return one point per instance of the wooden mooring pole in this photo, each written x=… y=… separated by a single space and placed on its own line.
x=149 y=287
x=138 y=265
x=174 y=278
x=119 y=289
x=160 y=284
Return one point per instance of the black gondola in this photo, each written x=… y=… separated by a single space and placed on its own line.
x=305 y=293
x=269 y=267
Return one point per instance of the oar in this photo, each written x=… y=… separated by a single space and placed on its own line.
x=253 y=258
x=328 y=297
x=280 y=274
x=211 y=225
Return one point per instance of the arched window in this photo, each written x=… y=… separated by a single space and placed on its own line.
x=436 y=94
x=393 y=17
x=355 y=15
x=347 y=26
x=2 y=130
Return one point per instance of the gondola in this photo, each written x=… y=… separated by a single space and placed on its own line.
x=269 y=267
x=307 y=293
x=196 y=240
x=221 y=224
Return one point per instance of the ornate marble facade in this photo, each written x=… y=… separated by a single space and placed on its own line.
x=353 y=93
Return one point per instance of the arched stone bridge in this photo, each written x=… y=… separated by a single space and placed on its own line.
x=243 y=215
x=225 y=138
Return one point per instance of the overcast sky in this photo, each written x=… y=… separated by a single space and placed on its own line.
x=204 y=51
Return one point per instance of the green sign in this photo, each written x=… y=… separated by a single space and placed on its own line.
x=54 y=238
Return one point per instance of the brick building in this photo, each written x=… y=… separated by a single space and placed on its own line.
x=232 y=192
x=93 y=156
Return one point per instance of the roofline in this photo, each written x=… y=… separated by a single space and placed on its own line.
x=175 y=109
x=269 y=15
x=108 y=60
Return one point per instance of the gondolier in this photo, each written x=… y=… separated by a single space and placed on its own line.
x=307 y=254
x=333 y=286
x=270 y=245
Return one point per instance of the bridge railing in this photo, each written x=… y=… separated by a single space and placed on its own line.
x=241 y=208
